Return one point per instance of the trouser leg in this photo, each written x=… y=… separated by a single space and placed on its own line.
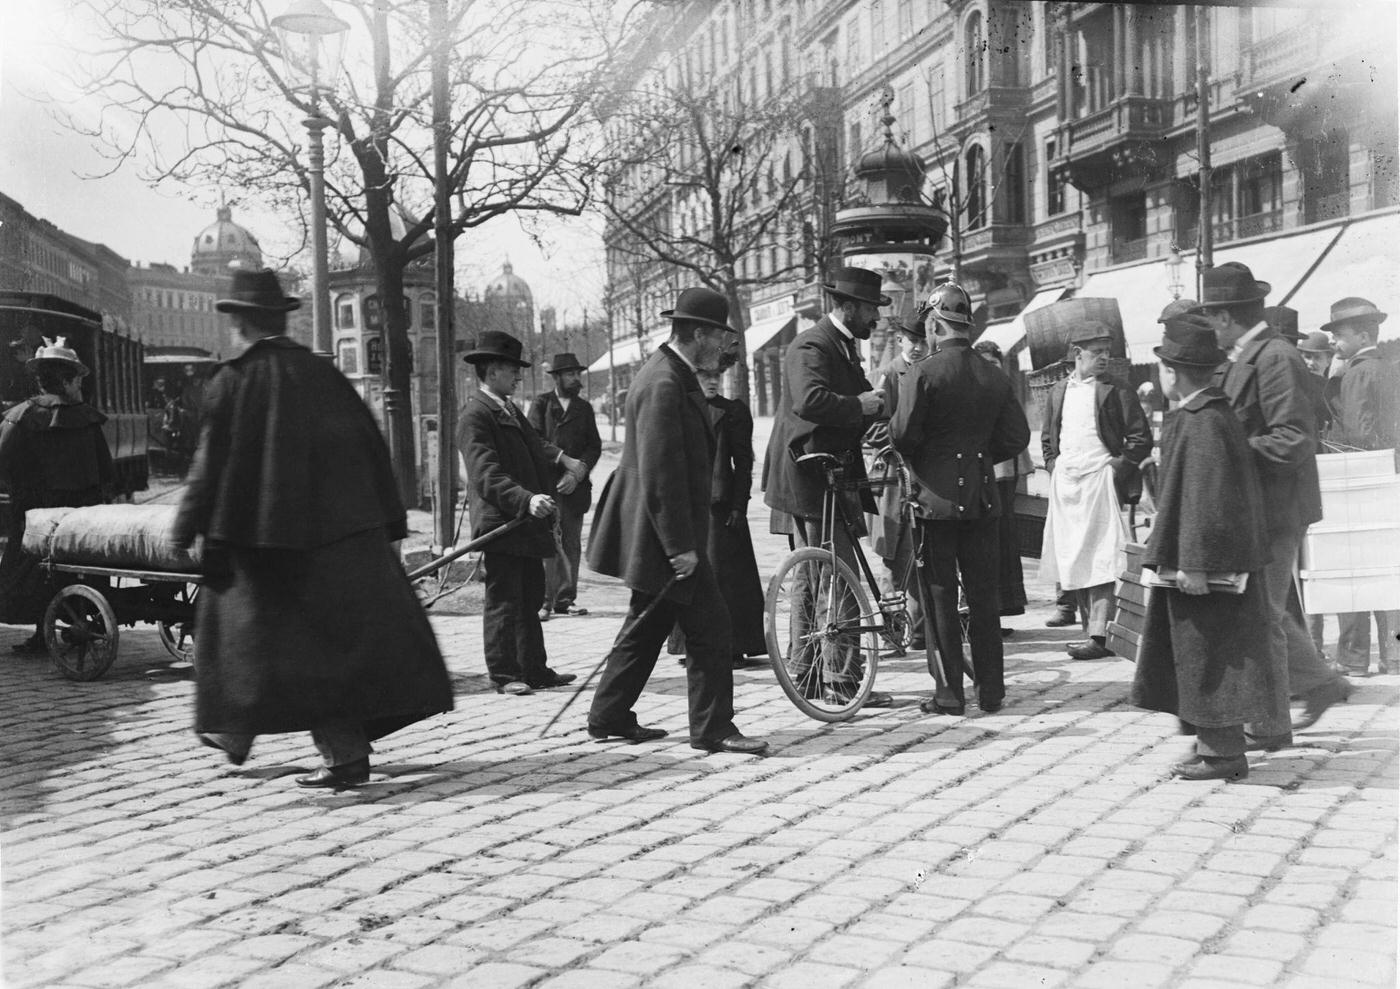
x=529 y=635
x=564 y=570
x=848 y=666
x=341 y=741
x=709 y=669
x=1354 y=641
x=1096 y=602
x=979 y=563
x=1388 y=631
x=1316 y=624
x=941 y=600
x=1306 y=668
x=501 y=617
x=1220 y=743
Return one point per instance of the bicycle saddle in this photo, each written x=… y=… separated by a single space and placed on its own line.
x=820 y=459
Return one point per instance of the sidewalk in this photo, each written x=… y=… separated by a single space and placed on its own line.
x=1041 y=846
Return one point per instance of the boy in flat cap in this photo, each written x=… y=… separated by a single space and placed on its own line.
x=1203 y=657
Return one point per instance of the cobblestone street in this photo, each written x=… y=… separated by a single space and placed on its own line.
x=1041 y=846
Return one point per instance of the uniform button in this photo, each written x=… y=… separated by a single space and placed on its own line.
x=960 y=456
x=962 y=481
x=960 y=508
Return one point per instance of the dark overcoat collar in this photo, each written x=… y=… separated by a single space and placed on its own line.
x=692 y=386
x=1203 y=398
x=496 y=410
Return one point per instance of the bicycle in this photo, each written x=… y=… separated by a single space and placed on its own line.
x=823 y=636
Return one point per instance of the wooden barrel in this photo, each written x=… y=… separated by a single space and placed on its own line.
x=1049 y=329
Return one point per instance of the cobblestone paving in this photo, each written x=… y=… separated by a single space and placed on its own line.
x=1041 y=846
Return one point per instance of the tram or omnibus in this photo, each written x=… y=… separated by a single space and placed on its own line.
x=113 y=387
x=173 y=383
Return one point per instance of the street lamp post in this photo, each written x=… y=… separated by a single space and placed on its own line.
x=311 y=37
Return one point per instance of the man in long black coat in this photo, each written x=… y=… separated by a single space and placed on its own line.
x=957 y=417
x=510 y=475
x=651 y=529
x=827 y=404
x=1267 y=386
x=565 y=418
x=306 y=619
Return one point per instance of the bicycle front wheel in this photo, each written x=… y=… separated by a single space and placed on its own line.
x=823 y=637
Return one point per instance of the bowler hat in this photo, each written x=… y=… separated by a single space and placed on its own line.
x=1183 y=312
x=1194 y=346
x=1284 y=321
x=494 y=345
x=256 y=290
x=700 y=305
x=1353 y=307
x=1316 y=342
x=916 y=329
x=1089 y=331
x=55 y=352
x=859 y=284
x=1229 y=283
x=565 y=362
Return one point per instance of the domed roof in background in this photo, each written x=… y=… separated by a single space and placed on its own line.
x=224 y=244
x=510 y=286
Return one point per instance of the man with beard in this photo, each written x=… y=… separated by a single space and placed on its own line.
x=566 y=419
x=826 y=405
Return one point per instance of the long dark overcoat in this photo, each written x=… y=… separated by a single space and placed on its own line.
x=1370 y=403
x=507 y=464
x=819 y=412
x=888 y=526
x=731 y=547
x=1122 y=426
x=1207 y=659
x=656 y=505
x=1268 y=390
x=305 y=615
x=575 y=431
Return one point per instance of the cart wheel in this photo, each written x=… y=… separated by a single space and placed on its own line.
x=81 y=632
x=178 y=637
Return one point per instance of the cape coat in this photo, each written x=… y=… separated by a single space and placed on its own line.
x=305 y=615
x=1206 y=658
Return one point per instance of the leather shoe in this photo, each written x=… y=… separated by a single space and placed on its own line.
x=338 y=777
x=738 y=743
x=1061 y=619
x=546 y=614
x=215 y=740
x=1318 y=700
x=513 y=687
x=571 y=610
x=635 y=734
x=32 y=646
x=1090 y=649
x=552 y=679
x=1233 y=768
x=931 y=706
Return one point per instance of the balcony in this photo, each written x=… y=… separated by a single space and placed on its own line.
x=1124 y=249
x=1285 y=57
x=999 y=106
x=1234 y=228
x=991 y=252
x=1306 y=76
x=1121 y=139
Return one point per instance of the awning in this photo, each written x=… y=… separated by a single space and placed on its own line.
x=761 y=332
x=1361 y=262
x=1006 y=335
x=629 y=352
x=1142 y=294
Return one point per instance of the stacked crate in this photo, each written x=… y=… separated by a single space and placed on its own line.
x=1130 y=606
x=1351 y=559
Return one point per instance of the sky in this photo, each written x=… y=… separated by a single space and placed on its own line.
x=59 y=176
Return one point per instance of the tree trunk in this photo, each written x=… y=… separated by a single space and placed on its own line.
x=398 y=390
x=739 y=319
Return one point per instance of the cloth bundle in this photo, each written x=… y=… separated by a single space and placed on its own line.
x=130 y=537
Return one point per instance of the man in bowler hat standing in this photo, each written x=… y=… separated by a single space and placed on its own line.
x=826 y=405
x=565 y=418
x=1267 y=385
x=651 y=529
x=510 y=473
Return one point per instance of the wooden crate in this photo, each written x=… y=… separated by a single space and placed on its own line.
x=1124 y=641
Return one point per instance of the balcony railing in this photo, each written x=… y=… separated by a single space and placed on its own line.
x=1288 y=53
x=1125 y=249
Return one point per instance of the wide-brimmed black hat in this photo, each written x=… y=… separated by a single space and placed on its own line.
x=257 y=290
x=1316 y=342
x=1353 y=307
x=565 y=362
x=494 y=345
x=1284 y=321
x=859 y=284
x=1090 y=331
x=1230 y=283
x=1193 y=346
x=700 y=305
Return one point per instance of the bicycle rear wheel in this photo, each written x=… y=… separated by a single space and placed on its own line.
x=823 y=636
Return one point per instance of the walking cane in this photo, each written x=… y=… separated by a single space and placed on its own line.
x=646 y=612
x=477 y=543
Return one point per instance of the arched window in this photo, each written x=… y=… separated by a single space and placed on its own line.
x=975 y=51
x=975 y=181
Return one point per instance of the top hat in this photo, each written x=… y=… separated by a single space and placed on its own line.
x=1283 y=321
x=256 y=290
x=1229 y=283
x=55 y=351
x=700 y=305
x=1316 y=342
x=858 y=284
x=1194 y=346
x=1353 y=307
x=494 y=345
x=565 y=362
x=1089 y=331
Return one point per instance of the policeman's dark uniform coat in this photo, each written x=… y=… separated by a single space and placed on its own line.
x=656 y=506
x=955 y=419
x=305 y=616
x=507 y=463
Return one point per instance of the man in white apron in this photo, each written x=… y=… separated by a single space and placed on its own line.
x=1094 y=437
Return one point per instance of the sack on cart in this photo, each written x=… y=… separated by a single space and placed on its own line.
x=132 y=537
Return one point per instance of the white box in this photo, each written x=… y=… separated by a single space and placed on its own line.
x=1363 y=547
x=1336 y=592
x=1354 y=466
x=1357 y=502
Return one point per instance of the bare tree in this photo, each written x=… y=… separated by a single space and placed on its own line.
x=195 y=92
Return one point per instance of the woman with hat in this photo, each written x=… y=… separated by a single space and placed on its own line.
x=52 y=455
